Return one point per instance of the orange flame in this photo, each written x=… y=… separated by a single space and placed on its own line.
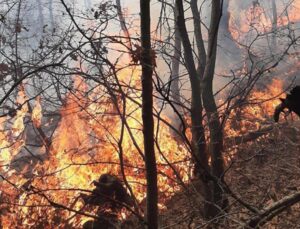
x=255 y=19
x=86 y=144
x=37 y=113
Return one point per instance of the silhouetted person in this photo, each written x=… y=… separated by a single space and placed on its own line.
x=108 y=190
x=291 y=102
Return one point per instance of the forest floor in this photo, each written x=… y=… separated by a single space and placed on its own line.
x=261 y=172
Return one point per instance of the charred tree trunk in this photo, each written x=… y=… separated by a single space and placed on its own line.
x=147 y=115
x=215 y=128
x=198 y=134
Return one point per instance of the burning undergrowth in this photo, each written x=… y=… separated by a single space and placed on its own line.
x=85 y=161
x=93 y=136
x=58 y=177
x=256 y=110
x=257 y=17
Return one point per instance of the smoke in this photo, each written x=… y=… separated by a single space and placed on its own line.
x=249 y=41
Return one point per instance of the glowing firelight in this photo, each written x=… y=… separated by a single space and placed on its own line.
x=37 y=113
x=255 y=19
x=95 y=131
x=85 y=145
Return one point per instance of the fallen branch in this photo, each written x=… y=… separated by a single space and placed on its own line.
x=273 y=210
x=231 y=141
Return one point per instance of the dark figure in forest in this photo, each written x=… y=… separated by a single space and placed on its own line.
x=109 y=191
x=110 y=196
x=291 y=102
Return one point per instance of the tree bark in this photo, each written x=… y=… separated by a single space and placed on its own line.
x=147 y=115
x=174 y=81
x=123 y=23
x=198 y=138
x=41 y=16
x=274 y=24
x=51 y=14
x=215 y=128
x=198 y=134
x=230 y=52
x=199 y=39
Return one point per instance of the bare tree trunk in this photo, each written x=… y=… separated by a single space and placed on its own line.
x=224 y=23
x=198 y=134
x=41 y=16
x=215 y=128
x=51 y=14
x=199 y=146
x=230 y=54
x=174 y=81
x=123 y=23
x=147 y=115
x=199 y=39
x=274 y=24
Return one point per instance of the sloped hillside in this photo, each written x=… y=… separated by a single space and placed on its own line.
x=261 y=172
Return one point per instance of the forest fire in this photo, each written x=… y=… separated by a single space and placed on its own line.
x=258 y=109
x=107 y=118
x=80 y=153
x=85 y=145
x=255 y=19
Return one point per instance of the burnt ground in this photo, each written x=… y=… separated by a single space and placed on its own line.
x=261 y=172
